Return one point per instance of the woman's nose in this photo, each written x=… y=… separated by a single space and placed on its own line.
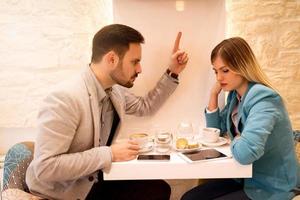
x=219 y=77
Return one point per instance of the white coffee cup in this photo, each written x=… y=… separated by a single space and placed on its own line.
x=141 y=138
x=210 y=134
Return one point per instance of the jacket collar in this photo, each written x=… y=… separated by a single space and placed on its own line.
x=233 y=101
x=250 y=85
x=96 y=94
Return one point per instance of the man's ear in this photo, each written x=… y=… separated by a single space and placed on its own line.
x=112 y=58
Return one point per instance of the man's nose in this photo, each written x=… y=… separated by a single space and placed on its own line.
x=138 y=69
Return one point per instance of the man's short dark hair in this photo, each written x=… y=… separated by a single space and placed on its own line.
x=116 y=37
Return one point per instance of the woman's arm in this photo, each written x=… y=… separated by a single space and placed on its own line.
x=263 y=112
x=216 y=119
x=213 y=99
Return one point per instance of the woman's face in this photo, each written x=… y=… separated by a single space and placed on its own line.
x=228 y=79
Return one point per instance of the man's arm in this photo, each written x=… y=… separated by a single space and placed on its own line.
x=150 y=103
x=58 y=121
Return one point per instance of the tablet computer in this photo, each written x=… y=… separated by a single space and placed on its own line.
x=203 y=155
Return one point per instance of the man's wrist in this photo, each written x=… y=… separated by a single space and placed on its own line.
x=173 y=75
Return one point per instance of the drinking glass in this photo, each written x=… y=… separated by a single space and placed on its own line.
x=163 y=141
x=185 y=130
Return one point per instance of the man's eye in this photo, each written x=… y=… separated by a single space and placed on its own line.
x=225 y=70
x=135 y=62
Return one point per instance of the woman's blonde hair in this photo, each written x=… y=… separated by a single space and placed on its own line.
x=237 y=55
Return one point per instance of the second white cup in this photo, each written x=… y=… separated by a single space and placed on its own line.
x=210 y=134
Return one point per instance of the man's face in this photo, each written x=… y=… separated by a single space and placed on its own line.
x=128 y=69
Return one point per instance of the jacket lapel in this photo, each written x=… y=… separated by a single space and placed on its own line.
x=228 y=117
x=94 y=105
x=240 y=109
x=118 y=105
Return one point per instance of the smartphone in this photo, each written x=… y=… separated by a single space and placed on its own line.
x=154 y=157
x=203 y=155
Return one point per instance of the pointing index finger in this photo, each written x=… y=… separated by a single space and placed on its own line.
x=177 y=41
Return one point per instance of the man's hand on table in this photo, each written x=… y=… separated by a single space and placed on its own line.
x=124 y=151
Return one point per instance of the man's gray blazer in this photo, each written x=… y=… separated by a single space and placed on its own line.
x=68 y=150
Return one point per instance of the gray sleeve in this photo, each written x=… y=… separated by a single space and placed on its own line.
x=57 y=123
x=151 y=102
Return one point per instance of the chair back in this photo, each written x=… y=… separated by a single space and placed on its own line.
x=16 y=162
x=297 y=150
x=297 y=143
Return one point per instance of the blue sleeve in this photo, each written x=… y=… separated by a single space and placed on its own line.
x=263 y=111
x=217 y=120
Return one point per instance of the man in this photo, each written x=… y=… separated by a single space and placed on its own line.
x=78 y=120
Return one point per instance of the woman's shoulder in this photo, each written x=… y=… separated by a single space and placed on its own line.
x=258 y=89
x=261 y=87
x=258 y=92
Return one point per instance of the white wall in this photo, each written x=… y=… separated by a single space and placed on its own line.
x=203 y=26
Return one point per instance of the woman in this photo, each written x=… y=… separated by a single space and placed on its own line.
x=258 y=125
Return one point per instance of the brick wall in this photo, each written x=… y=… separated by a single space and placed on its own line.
x=42 y=42
x=272 y=27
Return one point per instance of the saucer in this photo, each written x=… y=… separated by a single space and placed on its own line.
x=221 y=141
x=147 y=148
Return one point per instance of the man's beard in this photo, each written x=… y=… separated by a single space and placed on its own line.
x=118 y=76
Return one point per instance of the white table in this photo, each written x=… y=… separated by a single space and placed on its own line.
x=177 y=168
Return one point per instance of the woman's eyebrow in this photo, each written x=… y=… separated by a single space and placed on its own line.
x=219 y=68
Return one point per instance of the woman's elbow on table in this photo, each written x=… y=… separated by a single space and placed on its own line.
x=245 y=154
x=242 y=158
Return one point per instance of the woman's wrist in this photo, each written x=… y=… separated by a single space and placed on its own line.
x=214 y=94
x=213 y=102
x=211 y=108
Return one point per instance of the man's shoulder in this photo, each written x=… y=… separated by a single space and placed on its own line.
x=119 y=90
x=72 y=88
